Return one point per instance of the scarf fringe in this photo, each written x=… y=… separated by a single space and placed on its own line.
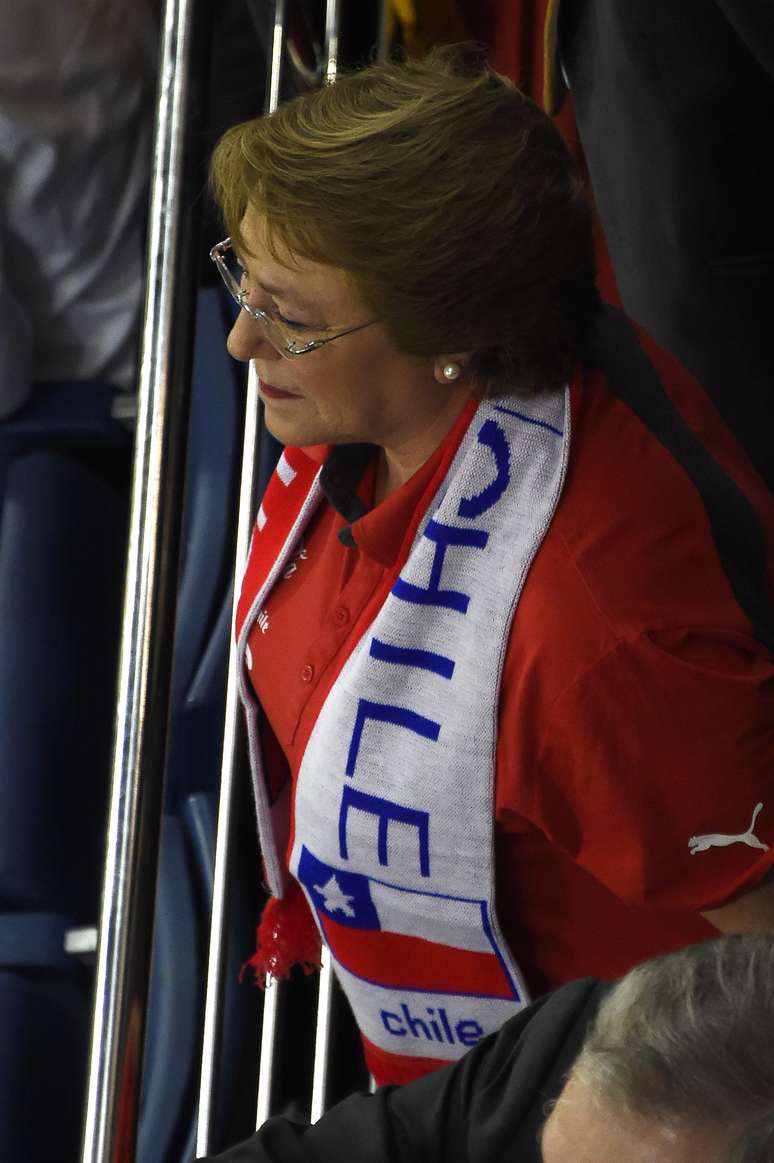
x=286 y=936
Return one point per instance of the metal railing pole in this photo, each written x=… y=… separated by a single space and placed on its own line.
x=126 y=914
x=322 y=1045
x=216 y=961
x=323 y=1026
x=383 y=43
x=322 y=1040
x=213 y=1005
x=216 y=967
x=332 y=33
x=265 y=1095
x=275 y=58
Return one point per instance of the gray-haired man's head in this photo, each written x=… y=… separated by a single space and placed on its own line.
x=679 y=1064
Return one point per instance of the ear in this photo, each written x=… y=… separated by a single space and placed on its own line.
x=450 y=368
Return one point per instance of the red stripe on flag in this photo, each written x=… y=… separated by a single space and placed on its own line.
x=396 y=1068
x=400 y=962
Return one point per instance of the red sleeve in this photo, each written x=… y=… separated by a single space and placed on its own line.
x=653 y=764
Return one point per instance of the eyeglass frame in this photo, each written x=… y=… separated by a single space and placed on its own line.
x=289 y=349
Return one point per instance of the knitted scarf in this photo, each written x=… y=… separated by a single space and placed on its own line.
x=393 y=812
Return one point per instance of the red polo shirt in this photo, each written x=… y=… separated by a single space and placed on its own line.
x=636 y=709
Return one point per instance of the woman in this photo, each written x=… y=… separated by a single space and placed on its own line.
x=505 y=630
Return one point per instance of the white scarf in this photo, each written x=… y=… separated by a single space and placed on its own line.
x=394 y=803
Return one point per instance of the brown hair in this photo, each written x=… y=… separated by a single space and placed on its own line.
x=448 y=196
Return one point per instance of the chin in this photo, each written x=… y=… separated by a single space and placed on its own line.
x=297 y=433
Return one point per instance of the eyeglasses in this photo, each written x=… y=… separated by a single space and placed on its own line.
x=280 y=334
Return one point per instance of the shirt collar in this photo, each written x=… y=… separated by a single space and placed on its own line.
x=347 y=480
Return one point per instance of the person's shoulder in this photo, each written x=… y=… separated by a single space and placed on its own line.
x=560 y=1015
x=524 y=1067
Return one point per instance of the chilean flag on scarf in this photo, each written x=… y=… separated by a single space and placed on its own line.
x=364 y=922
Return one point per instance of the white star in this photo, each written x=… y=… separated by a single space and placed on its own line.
x=334 y=898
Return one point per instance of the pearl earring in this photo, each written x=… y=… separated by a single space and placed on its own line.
x=451 y=371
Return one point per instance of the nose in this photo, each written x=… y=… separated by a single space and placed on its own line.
x=247 y=340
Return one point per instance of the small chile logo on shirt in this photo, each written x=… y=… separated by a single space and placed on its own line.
x=300 y=555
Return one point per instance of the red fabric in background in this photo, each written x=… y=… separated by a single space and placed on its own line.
x=512 y=30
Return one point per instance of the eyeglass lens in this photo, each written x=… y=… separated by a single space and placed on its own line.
x=235 y=280
x=234 y=271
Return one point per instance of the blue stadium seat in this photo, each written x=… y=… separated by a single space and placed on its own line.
x=64 y=479
x=65 y=463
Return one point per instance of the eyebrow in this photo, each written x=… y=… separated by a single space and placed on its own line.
x=283 y=293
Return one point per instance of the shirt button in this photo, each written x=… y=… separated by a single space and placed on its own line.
x=307 y=674
x=341 y=617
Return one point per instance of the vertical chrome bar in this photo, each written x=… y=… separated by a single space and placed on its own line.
x=322 y=1041
x=325 y=995
x=332 y=16
x=213 y=1009
x=271 y=1000
x=383 y=43
x=223 y=842
x=275 y=61
x=126 y=913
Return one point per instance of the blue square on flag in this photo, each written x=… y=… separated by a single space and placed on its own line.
x=345 y=897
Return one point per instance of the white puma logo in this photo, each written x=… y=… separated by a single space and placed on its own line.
x=718 y=840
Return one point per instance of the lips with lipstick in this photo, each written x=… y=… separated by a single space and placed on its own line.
x=273 y=393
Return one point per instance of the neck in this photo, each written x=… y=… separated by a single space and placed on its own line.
x=398 y=462
x=389 y=477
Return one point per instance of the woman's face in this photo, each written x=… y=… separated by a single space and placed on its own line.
x=360 y=387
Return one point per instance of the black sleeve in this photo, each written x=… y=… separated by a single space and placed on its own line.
x=753 y=22
x=478 y=1110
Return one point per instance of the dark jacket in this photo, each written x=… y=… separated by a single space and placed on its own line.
x=488 y=1107
x=674 y=107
